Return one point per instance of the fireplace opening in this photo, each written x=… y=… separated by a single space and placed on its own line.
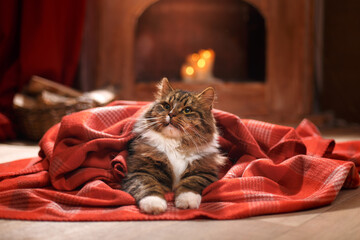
x=169 y=31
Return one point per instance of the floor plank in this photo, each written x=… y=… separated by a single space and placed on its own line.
x=295 y=219
x=339 y=222
x=206 y=229
x=11 y=151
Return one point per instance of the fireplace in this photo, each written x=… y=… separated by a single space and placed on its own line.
x=168 y=31
x=263 y=48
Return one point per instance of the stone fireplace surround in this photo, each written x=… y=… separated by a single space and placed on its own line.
x=286 y=95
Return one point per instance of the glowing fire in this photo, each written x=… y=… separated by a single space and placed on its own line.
x=206 y=54
x=201 y=63
x=198 y=66
x=189 y=70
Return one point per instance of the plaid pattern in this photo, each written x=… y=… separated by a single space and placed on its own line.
x=270 y=169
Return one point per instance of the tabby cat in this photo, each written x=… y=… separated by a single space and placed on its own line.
x=175 y=149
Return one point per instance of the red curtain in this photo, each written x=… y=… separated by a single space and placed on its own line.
x=37 y=37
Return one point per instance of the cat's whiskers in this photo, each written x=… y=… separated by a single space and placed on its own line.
x=200 y=138
x=187 y=133
x=198 y=135
x=147 y=120
x=151 y=118
x=146 y=126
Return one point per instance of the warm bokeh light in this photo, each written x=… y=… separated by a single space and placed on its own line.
x=189 y=70
x=201 y=63
x=206 y=54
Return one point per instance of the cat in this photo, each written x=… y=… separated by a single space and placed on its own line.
x=175 y=149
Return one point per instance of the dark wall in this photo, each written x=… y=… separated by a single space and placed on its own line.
x=341 y=59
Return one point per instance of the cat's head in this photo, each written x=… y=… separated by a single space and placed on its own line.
x=181 y=114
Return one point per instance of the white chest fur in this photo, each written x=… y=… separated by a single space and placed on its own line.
x=178 y=160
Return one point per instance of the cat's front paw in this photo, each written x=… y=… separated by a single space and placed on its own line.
x=153 y=205
x=188 y=200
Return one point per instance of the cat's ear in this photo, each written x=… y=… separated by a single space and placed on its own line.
x=164 y=88
x=207 y=97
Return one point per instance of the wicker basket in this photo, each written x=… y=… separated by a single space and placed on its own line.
x=33 y=123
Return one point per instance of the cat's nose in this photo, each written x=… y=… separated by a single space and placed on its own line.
x=172 y=114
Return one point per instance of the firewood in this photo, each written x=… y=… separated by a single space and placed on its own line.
x=38 y=84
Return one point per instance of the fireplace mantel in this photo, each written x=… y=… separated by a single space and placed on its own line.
x=287 y=94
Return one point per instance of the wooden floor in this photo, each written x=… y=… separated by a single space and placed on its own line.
x=340 y=220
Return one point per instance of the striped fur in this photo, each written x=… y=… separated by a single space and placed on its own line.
x=176 y=149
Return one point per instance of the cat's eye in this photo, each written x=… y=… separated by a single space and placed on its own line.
x=166 y=106
x=187 y=110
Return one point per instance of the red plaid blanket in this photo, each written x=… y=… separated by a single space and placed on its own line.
x=271 y=169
